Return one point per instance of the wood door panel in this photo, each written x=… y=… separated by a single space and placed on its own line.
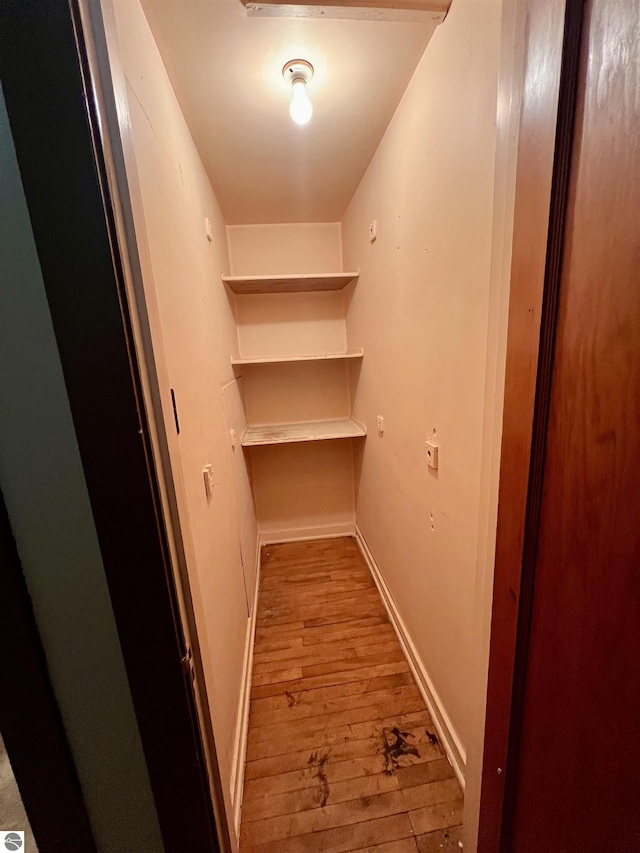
x=580 y=748
x=542 y=46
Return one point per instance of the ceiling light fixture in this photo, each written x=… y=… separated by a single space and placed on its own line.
x=299 y=72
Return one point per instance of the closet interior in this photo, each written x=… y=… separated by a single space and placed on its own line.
x=318 y=300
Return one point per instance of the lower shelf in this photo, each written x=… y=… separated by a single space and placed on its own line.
x=256 y=435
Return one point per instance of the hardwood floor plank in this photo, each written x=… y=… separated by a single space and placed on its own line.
x=300 y=760
x=325 y=590
x=363 y=634
x=297 y=780
x=277 y=676
x=366 y=711
x=315 y=615
x=322 y=793
x=331 y=594
x=431 y=794
x=302 y=653
x=315 y=820
x=332 y=678
x=324 y=656
x=355 y=663
x=367 y=601
x=292 y=631
x=440 y=816
x=421 y=774
x=299 y=629
x=305 y=698
x=329 y=737
x=336 y=619
x=341 y=750
x=323 y=565
x=443 y=839
x=380 y=647
x=342 y=839
x=270 y=645
x=402 y=845
x=297 y=709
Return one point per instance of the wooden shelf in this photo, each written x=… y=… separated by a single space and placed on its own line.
x=289 y=283
x=287 y=359
x=256 y=435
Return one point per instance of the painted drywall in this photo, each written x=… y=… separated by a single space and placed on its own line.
x=290 y=324
x=305 y=489
x=43 y=484
x=421 y=310
x=196 y=336
x=299 y=247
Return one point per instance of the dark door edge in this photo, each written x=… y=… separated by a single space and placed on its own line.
x=54 y=129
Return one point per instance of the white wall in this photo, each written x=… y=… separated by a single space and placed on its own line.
x=196 y=337
x=420 y=310
x=43 y=484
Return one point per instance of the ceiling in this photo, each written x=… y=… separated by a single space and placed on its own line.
x=226 y=69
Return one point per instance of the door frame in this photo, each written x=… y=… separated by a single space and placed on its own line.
x=96 y=19
x=553 y=40
x=55 y=119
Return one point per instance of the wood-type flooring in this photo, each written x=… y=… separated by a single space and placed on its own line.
x=342 y=754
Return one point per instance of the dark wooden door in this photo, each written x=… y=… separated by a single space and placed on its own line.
x=578 y=773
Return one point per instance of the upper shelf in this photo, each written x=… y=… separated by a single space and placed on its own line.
x=285 y=359
x=289 y=283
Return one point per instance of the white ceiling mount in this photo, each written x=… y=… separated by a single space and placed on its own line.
x=298 y=69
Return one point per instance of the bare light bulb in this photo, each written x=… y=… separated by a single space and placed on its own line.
x=301 y=108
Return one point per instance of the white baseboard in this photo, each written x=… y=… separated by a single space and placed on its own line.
x=242 y=726
x=441 y=720
x=299 y=534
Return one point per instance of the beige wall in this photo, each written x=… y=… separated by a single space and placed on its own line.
x=420 y=310
x=196 y=338
x=289 y=248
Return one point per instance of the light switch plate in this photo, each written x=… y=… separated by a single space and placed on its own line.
x=207 y=473
x=432 y=453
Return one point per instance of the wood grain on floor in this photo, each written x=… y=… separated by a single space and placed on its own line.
x=342 y=754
